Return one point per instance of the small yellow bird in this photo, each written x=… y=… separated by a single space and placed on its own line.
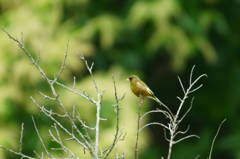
x=139 y=88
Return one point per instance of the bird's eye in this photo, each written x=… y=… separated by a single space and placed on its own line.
x=130 y=78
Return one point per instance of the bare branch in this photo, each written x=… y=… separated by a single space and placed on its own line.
x=84 y=125
x=179 y=98
x=186 y=113
x=181 y=84
x=60 y=142
x=165 y=135
x=195 y=89
x=182 y=132
x=138 y=128
x=98 y=104
x=188 y=91
x=43 y=74
x=73 y=137
x=175 y=122
x=215 y=137
x=47 y=97
x=21 y=138
x=191 y=75
x=82 y=94
x=169 y=112
x=89 y=68
x=16 y=153
x=153 y=123
x=40 y=138
x=165 y=113
x=117 y=106
x=63 y=64
x=197 y=79
x=186 y=137
x=25 y=51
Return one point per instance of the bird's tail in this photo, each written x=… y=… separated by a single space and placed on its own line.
x=161 y=104
x=156 y=99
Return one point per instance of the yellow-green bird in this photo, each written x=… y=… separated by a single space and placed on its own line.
x=139 y=88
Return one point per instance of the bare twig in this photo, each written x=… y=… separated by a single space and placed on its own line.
x=117 y=108
x=186 y=113
x=84 y=145
x=98 y=104
x=90 y=68
x=174 y=124
x=155 y=111
x=58 y=139
x=40 y=138
x=21 y=138
x=63 y=64
x=77 y=92
x=138 y=127
x=181 y=84
x=16 y=153
x=169 y=113
x=182 y=132
x=43 y=74
x=153 y=123
x=186 y=137
x=215 y=137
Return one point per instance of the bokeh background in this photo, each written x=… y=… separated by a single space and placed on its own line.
x=155 y=39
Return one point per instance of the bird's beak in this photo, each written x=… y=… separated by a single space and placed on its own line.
x=127 y=79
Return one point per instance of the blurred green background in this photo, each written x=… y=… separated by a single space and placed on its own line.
x=155 y=39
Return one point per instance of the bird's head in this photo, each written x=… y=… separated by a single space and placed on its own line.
x=132 y=78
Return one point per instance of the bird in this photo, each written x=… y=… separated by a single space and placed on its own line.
x=139 y=88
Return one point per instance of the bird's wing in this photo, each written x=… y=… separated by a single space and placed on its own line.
x=144 y=87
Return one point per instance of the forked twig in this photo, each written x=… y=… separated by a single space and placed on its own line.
x=117 y=108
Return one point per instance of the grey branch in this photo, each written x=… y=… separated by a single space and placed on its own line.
x=215 y=137
x=153 y=123
x=186 y=137
x=117 y=108
x=16 y=153
x=40 y=138
x=21 y=138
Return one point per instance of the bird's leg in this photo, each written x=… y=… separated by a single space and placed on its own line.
x=141 y=100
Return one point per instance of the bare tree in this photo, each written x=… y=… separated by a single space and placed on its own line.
x=92 y=146
x=172 y=132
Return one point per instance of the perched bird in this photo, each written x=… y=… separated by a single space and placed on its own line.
x=139 y=88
